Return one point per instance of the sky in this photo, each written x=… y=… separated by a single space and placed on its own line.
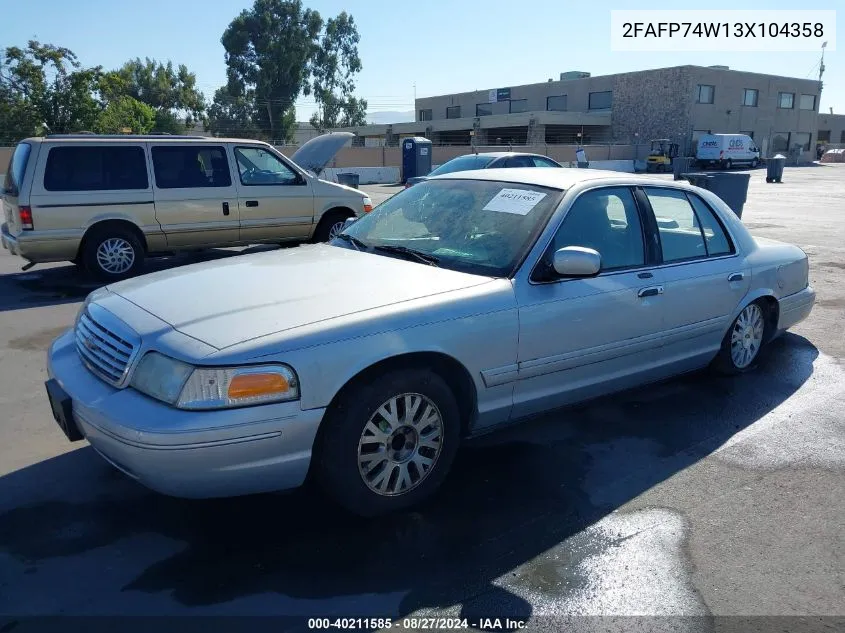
x=423 y=48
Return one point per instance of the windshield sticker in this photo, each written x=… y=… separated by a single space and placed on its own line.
x=518 y=201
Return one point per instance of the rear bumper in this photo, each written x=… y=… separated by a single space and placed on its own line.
x=795 y=308
x=36 y=249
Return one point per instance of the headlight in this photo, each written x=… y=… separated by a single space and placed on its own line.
x=196 y=388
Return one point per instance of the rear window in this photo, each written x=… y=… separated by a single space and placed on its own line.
x=191 y=166
x=96 y=168
x=17 y=167
x=462 y=163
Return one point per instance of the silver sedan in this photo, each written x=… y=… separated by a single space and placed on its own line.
x=462 y=304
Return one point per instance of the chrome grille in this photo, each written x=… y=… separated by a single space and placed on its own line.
x=103 y=351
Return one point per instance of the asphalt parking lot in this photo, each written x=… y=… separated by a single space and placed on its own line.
x=702 y=496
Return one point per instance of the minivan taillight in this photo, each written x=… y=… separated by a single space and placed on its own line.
x=25 y=214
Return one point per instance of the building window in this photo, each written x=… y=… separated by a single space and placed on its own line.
x=483 y=109
x=425 y=115
x=705 y=93
x=780 y=142
x=453 y=112
x=600 y=100
x=749 y=97
x=808 y=102
x=842 y=137
x=519 y=105
x=786 y=100
x=802 y=140
x=748 y=134
x=824 y=136
x=556 y=103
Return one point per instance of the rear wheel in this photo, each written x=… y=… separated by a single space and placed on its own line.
x=728 y=164
x=110 y=254
x=388 y=444
x=330 y=225
x=743 y=341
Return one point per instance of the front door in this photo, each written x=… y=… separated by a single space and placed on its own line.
x=276 y=202
x=196 y=201
x=580 y=338
x=704 y=278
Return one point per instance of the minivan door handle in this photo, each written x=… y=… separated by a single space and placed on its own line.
x=225 y=208
x=735 y=277
x=252 y=203
x=651 y=291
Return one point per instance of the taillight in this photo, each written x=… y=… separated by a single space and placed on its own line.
x=25 y=214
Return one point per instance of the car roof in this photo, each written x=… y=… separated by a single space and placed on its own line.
x=558 y=178
x=130 y=138
x=498 y=155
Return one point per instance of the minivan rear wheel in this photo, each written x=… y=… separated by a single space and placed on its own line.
x=113 y=253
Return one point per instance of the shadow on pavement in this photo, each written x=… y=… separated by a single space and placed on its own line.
x=511 y=497
x=67 y=284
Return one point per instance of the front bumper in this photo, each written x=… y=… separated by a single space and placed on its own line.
x=193 y=454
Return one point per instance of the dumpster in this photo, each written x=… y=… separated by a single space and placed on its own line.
x=416 y=157
x=681 y=165
x=348 y=179
x=731 y=187
x=774 y=168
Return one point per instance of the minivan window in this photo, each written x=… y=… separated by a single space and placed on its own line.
x=17 y=167
x=191 y=166
x=257 y=166
x=95 y=168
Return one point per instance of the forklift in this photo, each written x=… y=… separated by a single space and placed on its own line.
x=661 y=154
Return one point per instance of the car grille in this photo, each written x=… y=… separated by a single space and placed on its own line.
x=102 y=350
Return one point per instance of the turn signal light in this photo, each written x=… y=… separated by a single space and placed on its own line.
x=251 y=385
x=368 y=208
x=25 y=214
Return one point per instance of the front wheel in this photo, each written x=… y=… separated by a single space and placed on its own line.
x=330 y=225
x=743 y=341
x=388 y=443
x=728 y=164
x=754 y=163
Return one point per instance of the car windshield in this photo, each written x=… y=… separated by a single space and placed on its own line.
x=462 y=163
x=481 y=227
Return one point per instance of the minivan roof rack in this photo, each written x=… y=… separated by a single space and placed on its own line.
x=131 y=136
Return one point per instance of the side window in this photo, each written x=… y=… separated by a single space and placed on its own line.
x=715 y=237
x=607 y=221
x=680 y=233
x=257 y=166
x=190 y=166
x=519 y=161
x=542 y=162
x=95 y=168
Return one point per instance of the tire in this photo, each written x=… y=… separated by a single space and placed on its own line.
x=729 y=164
x=743 y=341
x=769 y=180
x=328 y=223
x=118 y=246
x=754 y=163
x=355 y=428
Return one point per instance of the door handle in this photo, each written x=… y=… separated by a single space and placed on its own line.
x=252 y=203
x=736 y=277
x=225 y=208
x=651 y=291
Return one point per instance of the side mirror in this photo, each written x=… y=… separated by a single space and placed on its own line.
x=576 y=261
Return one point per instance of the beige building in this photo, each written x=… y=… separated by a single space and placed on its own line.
x=831 y=130
x=780 y=113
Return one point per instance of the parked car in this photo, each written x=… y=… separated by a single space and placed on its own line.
x=486 y=160
x=726 y=150
x=109 y=202
x=462 y=304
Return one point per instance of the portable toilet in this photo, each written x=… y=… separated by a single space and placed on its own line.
x=416 y=157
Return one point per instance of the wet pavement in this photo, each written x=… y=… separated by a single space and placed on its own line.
x=700 y=496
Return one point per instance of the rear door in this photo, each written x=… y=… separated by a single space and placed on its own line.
x=196 y=200
x=704 y=276
x=276 y=202
x=13 y=185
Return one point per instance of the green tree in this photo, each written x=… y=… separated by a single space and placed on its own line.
x=44 y=89
x=269 y=52
x=125 y=113
x=170 y=90
x=229 y=115
x=336 y=62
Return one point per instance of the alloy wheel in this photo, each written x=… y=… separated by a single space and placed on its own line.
x=335 y=229
x=115 y=255
x=747 y=336
x=400 y=444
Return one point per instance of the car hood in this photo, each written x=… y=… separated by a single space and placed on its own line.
x=315 y=154
x=230 y=301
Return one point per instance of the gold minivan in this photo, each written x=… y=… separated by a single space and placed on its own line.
x=108 y=202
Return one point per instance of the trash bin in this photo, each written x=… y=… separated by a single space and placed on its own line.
x=350 y=180
x=774 y=168
x=731 y=187
x=681 y=165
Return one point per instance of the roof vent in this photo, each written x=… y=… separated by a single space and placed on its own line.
x=717 y=67
x=573 y=74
